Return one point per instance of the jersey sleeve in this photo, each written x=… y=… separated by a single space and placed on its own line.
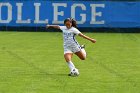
x=62 y=27
x=76 y=31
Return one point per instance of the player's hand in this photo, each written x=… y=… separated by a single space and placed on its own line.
x=93 y=40
x=47 y=26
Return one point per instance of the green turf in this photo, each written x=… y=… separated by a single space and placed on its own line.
x=32 y=62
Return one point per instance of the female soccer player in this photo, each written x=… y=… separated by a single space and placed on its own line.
x=71 y=46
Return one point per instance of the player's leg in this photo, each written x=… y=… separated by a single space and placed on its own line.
x=73 y=71
x=68 y=57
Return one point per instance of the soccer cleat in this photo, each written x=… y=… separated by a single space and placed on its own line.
x=72 y=75
x=69 y=74
x=74 y=72
x=82 y=46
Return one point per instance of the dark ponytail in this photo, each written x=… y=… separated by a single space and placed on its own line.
x=73 y=21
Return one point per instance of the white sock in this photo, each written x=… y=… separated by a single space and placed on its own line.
x=84 y=52
x=71 y=65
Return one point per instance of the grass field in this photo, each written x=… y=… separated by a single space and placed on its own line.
x=32 y=62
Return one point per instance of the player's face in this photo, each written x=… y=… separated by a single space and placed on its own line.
x=68 y=24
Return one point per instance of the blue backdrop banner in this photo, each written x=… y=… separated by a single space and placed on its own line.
x=87 y=13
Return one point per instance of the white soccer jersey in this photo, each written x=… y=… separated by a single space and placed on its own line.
x=69 y=35
x=70 y=42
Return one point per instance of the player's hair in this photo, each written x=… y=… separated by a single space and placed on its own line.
x=73 y=21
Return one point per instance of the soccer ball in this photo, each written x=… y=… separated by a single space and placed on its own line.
x=74 y=72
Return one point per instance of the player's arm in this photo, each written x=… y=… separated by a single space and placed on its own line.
x=53 y=26
x=88 y=38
